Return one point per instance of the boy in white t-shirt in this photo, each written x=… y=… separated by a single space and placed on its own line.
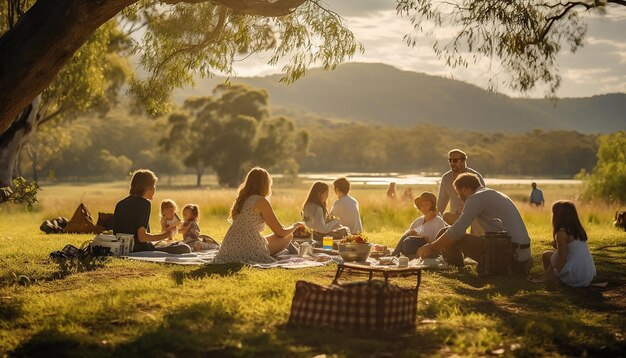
x=346 y=208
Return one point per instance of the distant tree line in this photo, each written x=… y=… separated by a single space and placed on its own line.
x=232 y=130
x=375 y=148
x=105 y=148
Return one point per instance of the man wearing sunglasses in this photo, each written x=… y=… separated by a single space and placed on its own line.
x=458 y=165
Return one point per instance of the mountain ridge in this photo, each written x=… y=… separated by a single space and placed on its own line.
x=383 y=94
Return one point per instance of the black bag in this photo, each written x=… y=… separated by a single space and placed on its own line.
x=497 y=255
x=105 y=220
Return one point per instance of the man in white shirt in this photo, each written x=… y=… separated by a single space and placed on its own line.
x=458 y=165
x=346 y=208
x=494 y=211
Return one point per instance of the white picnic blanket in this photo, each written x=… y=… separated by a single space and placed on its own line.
x=283 y=260
x=206 y=258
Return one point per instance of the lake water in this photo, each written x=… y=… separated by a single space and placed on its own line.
x=428 y=179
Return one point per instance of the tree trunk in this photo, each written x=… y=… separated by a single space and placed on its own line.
x=17 y=169
x=34 y=158
x=199 y=172
x=13 y=138
x=39 y=45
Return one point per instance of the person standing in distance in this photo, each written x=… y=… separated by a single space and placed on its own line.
x=536 y=196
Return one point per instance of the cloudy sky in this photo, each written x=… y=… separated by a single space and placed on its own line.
x=599 y=67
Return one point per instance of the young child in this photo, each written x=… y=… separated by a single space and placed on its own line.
x=169 y=215
x=191 y=230
x=346 y=208
x=315 y=214
x=424 y=229
x=572 y=262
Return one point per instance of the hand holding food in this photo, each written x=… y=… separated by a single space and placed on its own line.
x=303 y=232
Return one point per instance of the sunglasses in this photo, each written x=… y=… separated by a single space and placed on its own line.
x=454 y=160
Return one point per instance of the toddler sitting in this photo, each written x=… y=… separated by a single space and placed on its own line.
x=169 y=215
x=191 y=230
x=169 y=218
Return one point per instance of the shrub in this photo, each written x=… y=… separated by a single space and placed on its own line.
x=608 y=179
x=21 y=192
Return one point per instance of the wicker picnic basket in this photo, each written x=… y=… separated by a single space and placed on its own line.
x=367 y=305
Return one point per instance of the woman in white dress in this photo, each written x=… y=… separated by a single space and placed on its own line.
x=315 y=214
x=571 y=262
x=250 y=213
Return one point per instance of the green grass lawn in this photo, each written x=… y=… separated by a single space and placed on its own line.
x=126 y=308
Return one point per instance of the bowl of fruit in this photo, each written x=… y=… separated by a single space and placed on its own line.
x=354 y=248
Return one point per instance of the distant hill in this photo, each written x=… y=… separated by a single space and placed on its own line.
x=383 y=94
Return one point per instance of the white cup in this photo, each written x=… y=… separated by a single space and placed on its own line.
x=403 y=261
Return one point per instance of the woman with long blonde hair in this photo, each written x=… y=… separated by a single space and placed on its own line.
x=249 y=214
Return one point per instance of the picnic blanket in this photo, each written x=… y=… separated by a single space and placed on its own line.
x=206 y=258
x=284 y=260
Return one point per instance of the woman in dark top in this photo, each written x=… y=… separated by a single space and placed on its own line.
x=132 y=216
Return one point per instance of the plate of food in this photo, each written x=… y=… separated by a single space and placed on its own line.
x=379 y=251
x=388 y=261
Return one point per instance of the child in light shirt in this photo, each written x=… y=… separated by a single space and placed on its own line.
x=191 y=230
x=346 y=208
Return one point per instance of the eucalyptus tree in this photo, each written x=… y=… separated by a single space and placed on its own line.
x=524 y=37
x=232 y=131
x=175 y=41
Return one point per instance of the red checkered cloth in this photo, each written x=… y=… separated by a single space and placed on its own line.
x=373 y=305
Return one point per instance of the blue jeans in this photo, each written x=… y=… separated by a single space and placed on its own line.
x=408 y=246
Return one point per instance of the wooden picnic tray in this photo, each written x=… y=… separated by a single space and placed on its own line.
x=386 y=271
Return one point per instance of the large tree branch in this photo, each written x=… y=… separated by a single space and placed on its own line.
x=568 y=6
x=552 y=20
x=267 y=8
x=39 y=45
x=51 y=116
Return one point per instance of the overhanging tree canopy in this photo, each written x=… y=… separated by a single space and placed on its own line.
x=183 y=37
x=522 y=36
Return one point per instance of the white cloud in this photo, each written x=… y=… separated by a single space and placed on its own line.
x=585 y=75
x=598 y=67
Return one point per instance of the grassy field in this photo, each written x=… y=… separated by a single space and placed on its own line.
x=127 y=308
